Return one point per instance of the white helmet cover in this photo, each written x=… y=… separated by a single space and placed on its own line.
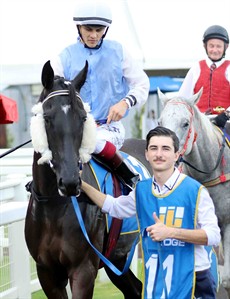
x=93 y=13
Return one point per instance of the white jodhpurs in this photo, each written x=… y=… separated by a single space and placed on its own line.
x=114 y=133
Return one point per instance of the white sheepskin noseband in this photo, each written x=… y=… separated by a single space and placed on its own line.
x=40 y=142
x=89 y=136
x=38 y=134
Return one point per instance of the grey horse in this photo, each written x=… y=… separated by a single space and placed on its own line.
x=203 y=146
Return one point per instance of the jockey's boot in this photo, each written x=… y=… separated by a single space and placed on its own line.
x=121 y=168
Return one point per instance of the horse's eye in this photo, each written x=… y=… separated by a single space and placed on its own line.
x=185 y=125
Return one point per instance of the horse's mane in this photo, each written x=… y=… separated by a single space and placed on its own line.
x=205 y=123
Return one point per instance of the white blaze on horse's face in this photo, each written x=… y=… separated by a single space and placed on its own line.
x=65 y=108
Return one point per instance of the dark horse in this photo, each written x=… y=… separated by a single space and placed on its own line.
x=52 y=231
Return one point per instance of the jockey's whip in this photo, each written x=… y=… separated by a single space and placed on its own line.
x=14 y=149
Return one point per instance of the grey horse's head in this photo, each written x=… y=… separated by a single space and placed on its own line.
x=177 y=115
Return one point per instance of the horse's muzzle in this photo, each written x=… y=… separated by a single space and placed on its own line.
x=69 y=187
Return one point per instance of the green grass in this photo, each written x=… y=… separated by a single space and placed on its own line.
x=4 y=279
x=101 y=290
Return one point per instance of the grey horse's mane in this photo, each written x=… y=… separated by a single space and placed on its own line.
x=205 y=122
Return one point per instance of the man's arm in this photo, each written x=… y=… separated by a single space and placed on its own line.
x=120 y=207
x=207 y=231
x=187 y=88
x=96 y=196
x=159 y=231
x=57 y=66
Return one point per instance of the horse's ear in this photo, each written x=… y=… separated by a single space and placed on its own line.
x=79 y=80
x=195 y=98
x=47 y=75
x=162 y=97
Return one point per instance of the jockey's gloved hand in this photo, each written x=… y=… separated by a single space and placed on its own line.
x=221 y=119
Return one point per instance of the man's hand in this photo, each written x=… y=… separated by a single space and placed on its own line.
x=117 y=111
x=158 y=231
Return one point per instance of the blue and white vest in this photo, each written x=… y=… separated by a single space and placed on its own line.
x=169 y=264
x=102 y=89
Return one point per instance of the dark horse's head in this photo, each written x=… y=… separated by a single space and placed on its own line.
x=60 y=129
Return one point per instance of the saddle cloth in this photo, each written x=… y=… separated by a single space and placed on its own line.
x=105 y=184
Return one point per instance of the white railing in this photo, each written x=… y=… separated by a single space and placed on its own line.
x=16 y=264
x=17 y=270
x=19 y=161
x=18 y=278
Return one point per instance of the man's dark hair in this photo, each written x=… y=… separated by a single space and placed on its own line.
x=162 y=131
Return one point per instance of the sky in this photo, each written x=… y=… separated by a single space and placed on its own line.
x=159 y=33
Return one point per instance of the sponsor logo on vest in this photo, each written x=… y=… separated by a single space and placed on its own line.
x=172 y=242
x=172 y=216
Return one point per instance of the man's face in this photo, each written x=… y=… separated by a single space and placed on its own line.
x=160 y=153
x=91 y=35
x=215 y=49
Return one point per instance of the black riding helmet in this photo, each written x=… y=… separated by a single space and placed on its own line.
x=217 y=32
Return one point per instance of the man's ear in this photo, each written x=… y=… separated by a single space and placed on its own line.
x=146 y=155
x=177 y=155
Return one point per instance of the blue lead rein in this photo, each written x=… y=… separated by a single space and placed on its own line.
x=102 y=257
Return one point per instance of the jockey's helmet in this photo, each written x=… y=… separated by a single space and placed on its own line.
x=93 y=12
x=217 y=32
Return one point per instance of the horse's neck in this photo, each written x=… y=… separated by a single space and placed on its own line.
x=88 y=176
x=208 y=136
x=205 y=151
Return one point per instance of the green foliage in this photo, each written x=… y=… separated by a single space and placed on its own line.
x=137 y=123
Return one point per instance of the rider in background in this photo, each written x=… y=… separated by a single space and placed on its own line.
x=114 y=83
x=213 y=74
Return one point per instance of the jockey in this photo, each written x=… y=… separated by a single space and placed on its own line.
x=114 y=83
x=213 y=74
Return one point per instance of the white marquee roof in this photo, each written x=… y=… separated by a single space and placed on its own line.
x=161 y=34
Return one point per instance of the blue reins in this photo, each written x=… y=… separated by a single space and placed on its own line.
x=102 y=257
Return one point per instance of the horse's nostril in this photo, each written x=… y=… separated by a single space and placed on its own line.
x=60 y=183
x=61 y=186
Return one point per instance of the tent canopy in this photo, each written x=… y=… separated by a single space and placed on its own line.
x=8 y=110
x=164 y=83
